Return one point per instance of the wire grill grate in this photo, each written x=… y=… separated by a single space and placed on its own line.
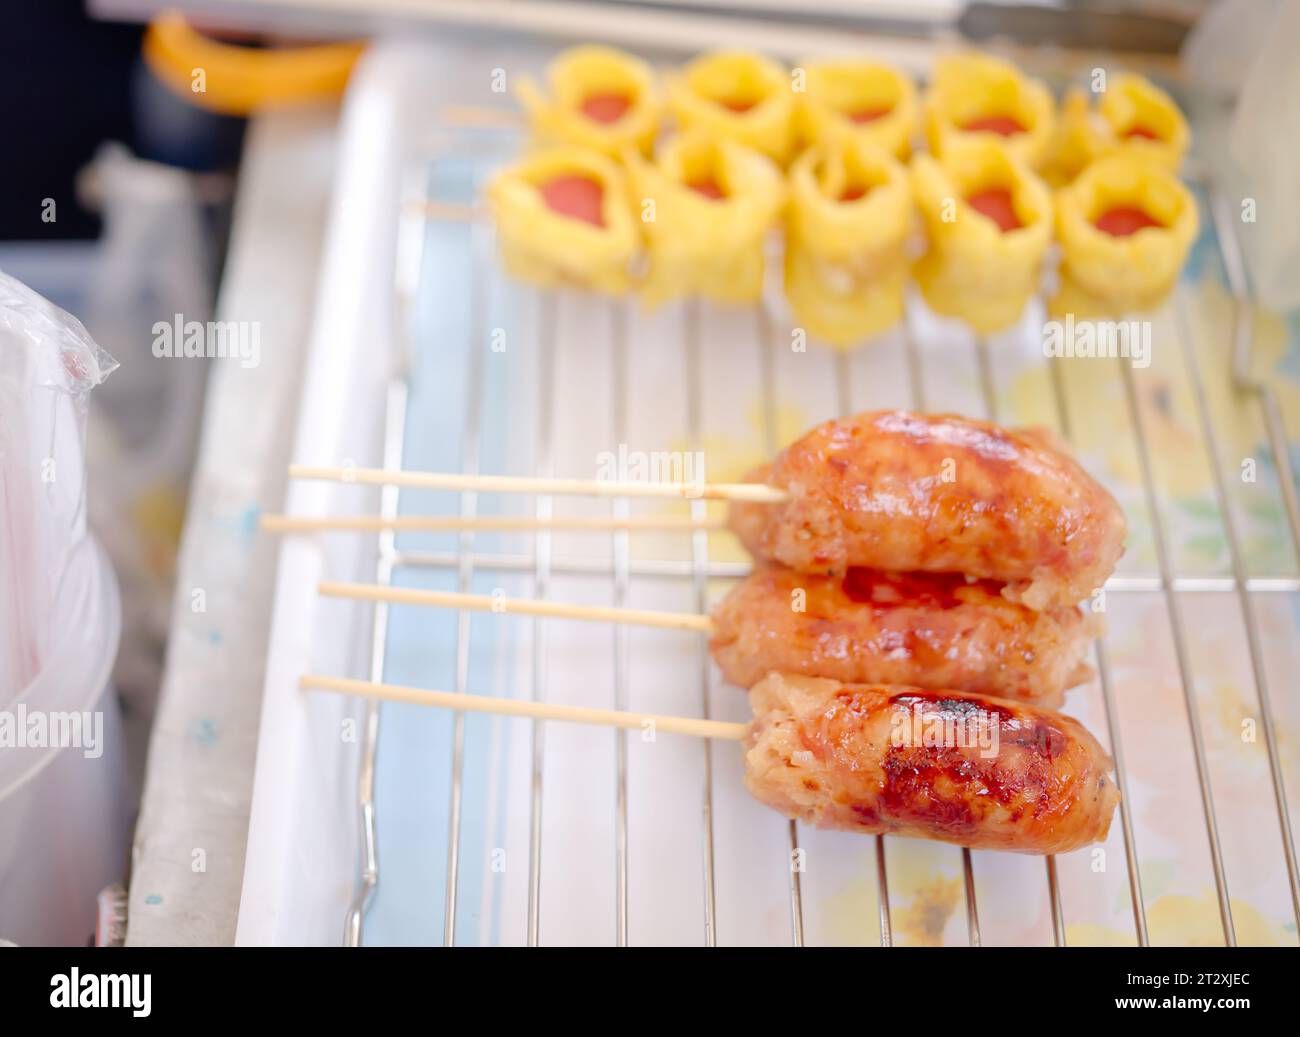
x=621 y=568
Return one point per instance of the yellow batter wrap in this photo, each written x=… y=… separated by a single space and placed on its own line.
x=1104 y=275
x=581 y=74
x=974 y=270
x=849 y=214
x=701 y=245
x=968 y=88
x=1133 y=116
x=1131 y=103
x=553 y=250
x=736 y=96
x=857 y=101
x=1081 y=137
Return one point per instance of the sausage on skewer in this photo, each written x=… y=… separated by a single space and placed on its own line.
x=932 y=630
x=871 y=758
x=967 y=769
x=909 y=492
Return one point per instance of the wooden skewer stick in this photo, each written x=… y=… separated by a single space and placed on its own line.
x=481 y=116
x=741 y=491
x=450 y=212
x=526 y=708
x=517 y=606
x=485 y=523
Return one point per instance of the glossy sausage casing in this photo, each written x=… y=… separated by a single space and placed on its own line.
x=933 y=630
x=909 y=492
x=966 y=769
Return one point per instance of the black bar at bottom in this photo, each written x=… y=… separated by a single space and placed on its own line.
x=337 y=986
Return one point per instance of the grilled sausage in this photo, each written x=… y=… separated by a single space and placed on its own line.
x=933 y=630
x=903 y=492
x=966 y=769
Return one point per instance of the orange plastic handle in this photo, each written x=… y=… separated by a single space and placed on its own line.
x=236 y=80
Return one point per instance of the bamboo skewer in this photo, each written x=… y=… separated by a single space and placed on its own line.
x=517 y=606
x=485 y=523
x=451 y=212
x=526 y=708
x=759 y=493
x=479 y=116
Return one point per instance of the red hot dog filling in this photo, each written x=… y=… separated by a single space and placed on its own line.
x=575 y=196
x=996 y=203
x=1124 y=220
x=861 y=115
x=736 y=104
x=1145 y=132
x=1003 y=125
x=708 y=187
x=606 y=108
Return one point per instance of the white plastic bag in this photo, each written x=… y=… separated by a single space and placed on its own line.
x=48 y=365
x=63 y=805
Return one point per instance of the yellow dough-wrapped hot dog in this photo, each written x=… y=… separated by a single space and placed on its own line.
x=706 y=206
x=563 y=219
x=989 y=221
x=849 y=213
x=595 y=97
x=1080 y=138
x=1133 y=116
x=1125 y=226
x=859 y=102
x=737 y=96
x=1145 y=120
x=982 y=97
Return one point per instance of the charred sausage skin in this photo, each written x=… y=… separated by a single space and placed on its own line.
x=907 y=492
x=854 y=757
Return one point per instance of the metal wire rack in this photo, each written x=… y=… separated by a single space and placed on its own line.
x=541 y=563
